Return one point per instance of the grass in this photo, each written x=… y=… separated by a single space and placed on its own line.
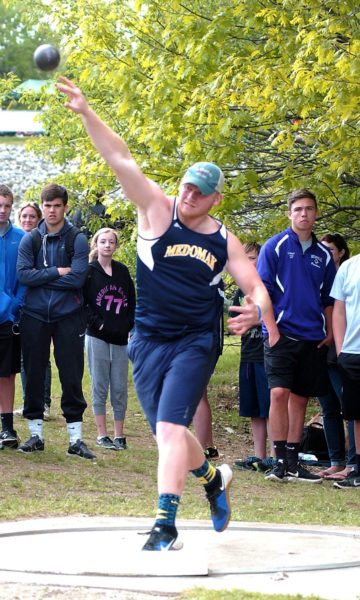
x=204 y=594
x=12 y=139
x=124 y=483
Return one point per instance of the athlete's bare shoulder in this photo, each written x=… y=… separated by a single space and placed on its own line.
x=155 y=215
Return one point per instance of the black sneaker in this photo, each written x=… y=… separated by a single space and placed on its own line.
x=9 y=439
x=247 y=464
x=120 y=443
x=278 y=473
x=105 y=442
x=162 y=537
x=302 y=474
x=350 y=482
x=219 y=499
x=80 y=450
x=33 y=444
x=211 y=453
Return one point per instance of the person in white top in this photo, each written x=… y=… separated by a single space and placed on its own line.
x=346 y=328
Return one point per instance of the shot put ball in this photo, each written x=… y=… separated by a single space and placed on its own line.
x=46 y=57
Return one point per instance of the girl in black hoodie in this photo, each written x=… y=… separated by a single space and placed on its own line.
x=109 y=295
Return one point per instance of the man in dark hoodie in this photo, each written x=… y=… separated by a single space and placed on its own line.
x=53 y=310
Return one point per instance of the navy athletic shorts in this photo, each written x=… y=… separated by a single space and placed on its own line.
x=171 y=376
x=254 y=393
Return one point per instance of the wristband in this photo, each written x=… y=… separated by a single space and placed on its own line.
x=259 y=311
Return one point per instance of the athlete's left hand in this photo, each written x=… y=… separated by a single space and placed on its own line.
x=248 y=317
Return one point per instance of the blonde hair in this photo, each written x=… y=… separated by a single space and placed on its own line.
x=33 y=205
x=93 y=250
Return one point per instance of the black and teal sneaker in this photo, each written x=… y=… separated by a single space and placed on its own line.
x=162 y=538
x=247 y=464
x=211 y=453
x=266 y=464
x=219 y=499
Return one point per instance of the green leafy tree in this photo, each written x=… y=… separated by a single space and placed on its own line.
x=19 y=40
x=269 y=90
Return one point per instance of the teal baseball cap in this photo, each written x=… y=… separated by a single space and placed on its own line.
x=206 y=176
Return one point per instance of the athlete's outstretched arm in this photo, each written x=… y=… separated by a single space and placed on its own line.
x=137 y=188
x=248 y=280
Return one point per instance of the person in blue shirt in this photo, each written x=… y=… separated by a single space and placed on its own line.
x=182 y=254
x=11 y=297
x=298 y=272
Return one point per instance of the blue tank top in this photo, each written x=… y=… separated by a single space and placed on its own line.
x=179 y=281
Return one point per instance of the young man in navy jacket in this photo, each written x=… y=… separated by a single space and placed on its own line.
x=53 y=310
x=298 y=272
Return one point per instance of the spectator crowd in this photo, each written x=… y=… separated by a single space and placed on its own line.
x=53 y=292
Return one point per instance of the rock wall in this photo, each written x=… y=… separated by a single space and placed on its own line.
x=20 y=169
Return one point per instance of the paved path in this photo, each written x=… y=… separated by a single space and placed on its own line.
x=103 y=556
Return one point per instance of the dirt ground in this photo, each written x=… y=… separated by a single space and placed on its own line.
x=14 y=591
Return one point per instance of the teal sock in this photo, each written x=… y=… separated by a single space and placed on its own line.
x=206 y=473
x=167 y=508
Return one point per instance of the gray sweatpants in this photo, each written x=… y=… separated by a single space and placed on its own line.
x=108 y=367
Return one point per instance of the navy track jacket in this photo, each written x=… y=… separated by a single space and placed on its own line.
x=298 y=283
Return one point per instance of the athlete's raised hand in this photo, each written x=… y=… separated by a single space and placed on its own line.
x=77 y=101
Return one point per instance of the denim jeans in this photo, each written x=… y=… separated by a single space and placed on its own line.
x=333 y=422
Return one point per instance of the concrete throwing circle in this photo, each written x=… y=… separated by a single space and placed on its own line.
x=94 y=547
